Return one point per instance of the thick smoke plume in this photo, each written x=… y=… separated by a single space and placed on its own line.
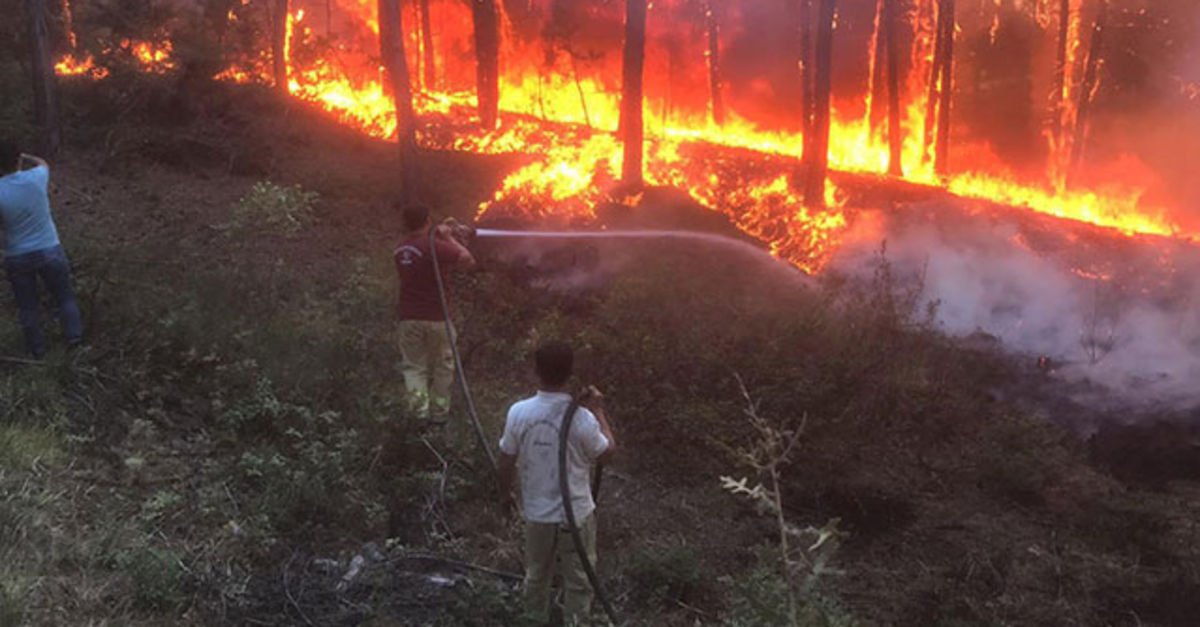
x=1119 y=324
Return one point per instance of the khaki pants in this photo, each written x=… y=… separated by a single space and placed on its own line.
x=428 y=366
x=549 y=550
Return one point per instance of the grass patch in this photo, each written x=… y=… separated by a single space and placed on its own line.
x=24 y=446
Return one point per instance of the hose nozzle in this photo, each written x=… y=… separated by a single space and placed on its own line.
x=458 y=230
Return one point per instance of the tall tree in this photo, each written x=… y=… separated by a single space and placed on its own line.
x=804 y=62
x=486 y=18
x=1088 y=87
x=391 y=49
x=878 y=80
x=714 y=63
x=818 y=161
x=279 y=10
x=946 y=89
x=891 y=16
x=632 y=98
x=430 y=61
x=1058 y=100
x=935 y=76
x=45 y=100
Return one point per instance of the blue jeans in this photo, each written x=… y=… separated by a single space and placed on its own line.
x=52 y=266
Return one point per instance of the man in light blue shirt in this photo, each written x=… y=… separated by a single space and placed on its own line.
x=32 y=248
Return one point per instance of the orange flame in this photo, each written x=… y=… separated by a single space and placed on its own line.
x=565 y=110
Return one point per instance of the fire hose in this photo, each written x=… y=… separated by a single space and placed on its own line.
x=458 y=365
x=568 y=417
x=572 y=525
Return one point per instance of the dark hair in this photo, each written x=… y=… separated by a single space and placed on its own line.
x=554 y=362
x=9 y=156
x=415 y=216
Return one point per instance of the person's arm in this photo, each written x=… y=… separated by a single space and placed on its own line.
x=593 y=400
x=37 y=162
x=463 y=257
x=506 y=474
x=506 y=463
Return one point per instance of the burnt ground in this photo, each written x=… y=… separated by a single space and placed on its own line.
x=231 y=441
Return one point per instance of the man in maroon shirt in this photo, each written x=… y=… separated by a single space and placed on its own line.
x=428 y=362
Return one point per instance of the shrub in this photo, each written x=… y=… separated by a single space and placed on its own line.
x=155 y=575
x=671 y=574
x=283 y=209
x=785 y=588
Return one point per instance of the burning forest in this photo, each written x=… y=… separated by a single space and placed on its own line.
x=736 y=99
x=891 y=306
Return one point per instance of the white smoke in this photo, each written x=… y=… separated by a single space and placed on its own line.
x=1129 y=337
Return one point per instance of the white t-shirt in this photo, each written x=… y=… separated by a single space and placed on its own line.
x=531 y=433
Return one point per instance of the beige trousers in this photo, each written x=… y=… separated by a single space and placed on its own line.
x=428 y=366
x=549 y=550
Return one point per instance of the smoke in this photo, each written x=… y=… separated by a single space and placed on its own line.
x=1117 y=318
x=583 y=260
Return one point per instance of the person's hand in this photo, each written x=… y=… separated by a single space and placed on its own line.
x=507 y=505
x=592 y=398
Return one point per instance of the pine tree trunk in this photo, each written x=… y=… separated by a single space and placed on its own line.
x=486 y=18
x=1086 y=89
x=632 y=100
x=68 y=17
x=714 y=64
x=391 y=48
x=806 y=67
x=1058 y=101
x=279 y=18
x=946 y=90
x=45 y=101
x=818 y=163
x=427 y=46
x=935 y=73
x=878 y=80
x=891 y=15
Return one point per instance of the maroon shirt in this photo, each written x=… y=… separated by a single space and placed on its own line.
x=418 y=285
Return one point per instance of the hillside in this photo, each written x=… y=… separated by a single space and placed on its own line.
x=231 y=439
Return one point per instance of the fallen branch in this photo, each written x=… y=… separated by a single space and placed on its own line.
x=21 y=361
x=288 y=593
x=459 y=564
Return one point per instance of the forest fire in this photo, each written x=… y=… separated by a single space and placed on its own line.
x=153 y=57
x=560 y=99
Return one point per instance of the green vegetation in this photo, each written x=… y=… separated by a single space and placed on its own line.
x=232 y=442
x=284 y=209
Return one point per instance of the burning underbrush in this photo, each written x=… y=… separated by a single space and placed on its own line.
x=234 y=407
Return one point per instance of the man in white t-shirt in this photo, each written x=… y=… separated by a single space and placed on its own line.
x=529 y=447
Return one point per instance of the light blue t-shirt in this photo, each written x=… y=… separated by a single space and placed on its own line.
x=25 y=210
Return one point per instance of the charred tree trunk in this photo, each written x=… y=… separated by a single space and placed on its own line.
x=68 y=18
x=1087 y=89
x=279 y=43
x=714 y=64
x=329 y=18
x=1060 y=69
x=935 y=73
x=805 y=64
x=878 y=82
x=45 y=100
x=946 y=90
x=486 y=18
x=430 y=61
x=891 y=15
x=391 y=49
x=818 y=163
x=632 y=101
